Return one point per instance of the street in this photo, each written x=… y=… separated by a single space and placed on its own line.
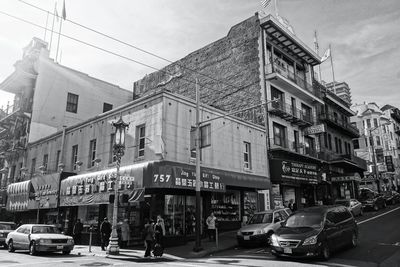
x=379 y=245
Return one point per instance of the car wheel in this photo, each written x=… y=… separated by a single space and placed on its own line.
x=354 y=240
x=325 y=252
x=66 y=252
x=11 y=246
x=32 y=248
x=376 y=208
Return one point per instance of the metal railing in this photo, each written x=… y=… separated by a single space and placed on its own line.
x=290 y=110
x=291 y=145
x=294 y=77
x=339 y=122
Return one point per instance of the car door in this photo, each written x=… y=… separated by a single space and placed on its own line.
x=17 y=237
x=25 y=237
x=332 y=230
x=277 y=218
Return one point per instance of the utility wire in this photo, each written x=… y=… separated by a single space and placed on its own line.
x=137 y=48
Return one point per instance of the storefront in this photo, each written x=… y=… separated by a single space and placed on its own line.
x=346 y=186
x=294 y=181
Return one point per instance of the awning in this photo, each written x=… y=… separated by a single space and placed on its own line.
x=20 y=196
x=96 y=187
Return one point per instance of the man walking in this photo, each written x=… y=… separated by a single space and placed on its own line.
x=211 y=221
x=77 y=232
x=148 y=237
x=105 y=231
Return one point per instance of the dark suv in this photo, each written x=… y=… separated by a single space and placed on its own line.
x=315 y=231
x=371 y=199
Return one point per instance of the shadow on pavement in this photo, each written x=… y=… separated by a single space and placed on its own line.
x=133 y=258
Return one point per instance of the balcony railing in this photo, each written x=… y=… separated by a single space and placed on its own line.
x=300 y=81
x=291 y=145
x=354 y=132
x=290 y=113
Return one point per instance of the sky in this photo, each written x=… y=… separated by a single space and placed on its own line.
x=364 y=36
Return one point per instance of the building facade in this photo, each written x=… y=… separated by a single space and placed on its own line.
x=261 y=61
x=341 y=89
x=157 y=170
x=47 y=97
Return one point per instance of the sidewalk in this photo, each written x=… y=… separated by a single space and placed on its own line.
x=226 y=240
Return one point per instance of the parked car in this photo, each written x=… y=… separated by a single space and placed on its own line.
x=315 y=232
x=371 y=199
x=39 y=237
x=353 y=205
x=391 y=197
x=5 y=228
x=261 y=226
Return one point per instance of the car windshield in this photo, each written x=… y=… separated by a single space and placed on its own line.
x=45 y=230
x=261 y=218
x=304 y=219
x=343 y=202
x=6 y=226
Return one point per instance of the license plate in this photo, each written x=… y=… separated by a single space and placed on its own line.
x=60 y=247
x=287 y=250
x=246 y=237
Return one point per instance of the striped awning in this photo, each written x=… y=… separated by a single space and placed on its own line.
x=20 y=196
x=19 y=188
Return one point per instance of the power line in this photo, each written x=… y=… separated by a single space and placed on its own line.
x=138 y=48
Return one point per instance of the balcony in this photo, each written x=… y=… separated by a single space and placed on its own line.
x=292 y=146
x=294 y=83
x=291 y=114
x=351 y=159
x=329 y=118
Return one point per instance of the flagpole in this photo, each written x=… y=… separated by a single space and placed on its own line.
x=317 y=51
x=52 y=26
x=47 y=23
x=333 y=72
x=59 y=37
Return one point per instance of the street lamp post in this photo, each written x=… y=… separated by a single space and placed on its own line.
x=119 y=148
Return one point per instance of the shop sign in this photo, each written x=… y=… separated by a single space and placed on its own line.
x=45 y=191
x=315 y=129
x=389 y=163
x=180 y=177
x=347 y=178
x=297 y=172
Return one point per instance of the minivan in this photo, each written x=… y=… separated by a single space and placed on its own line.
x=315 y=232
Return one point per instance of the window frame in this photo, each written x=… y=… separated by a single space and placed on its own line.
x=72 y=103
x=205 y=135
x=141 y=141
x=92 y=152
x=247 y=153
x=74 y=156
x=281 y=136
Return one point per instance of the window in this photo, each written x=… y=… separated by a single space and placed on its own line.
x=368 y=123
x=279 y=135
x=371 y=140
x=107 y=107
x=306 y=110
x=72 y=103
x=58 y=159
x=12 y=172
x=335 y=116
x=141 y=138
x=296 y=140
x=20 y=171
x=45 y=161
x=330 y=141
x=247 y=156
x=74 y=157
x=391 y=135
x=336 y=145
x=293 y=106
x=33 y=166
x=326 y=140
x=276 y=94
x=375 y=122
x=378 y=141
x=92 y=153
x=205 y=135
x=356 y=143
x=309 y=144
x=112 y=158
x=340 y=146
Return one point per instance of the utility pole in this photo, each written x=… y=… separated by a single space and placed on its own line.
x=197 y=246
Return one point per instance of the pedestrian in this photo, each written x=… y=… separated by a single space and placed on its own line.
x=148 y=237
x=292 y=205
x=125 y=233
x=159 y=218
x=105 y=231
x=77 y=232
x=211 y=225
x=158 y=232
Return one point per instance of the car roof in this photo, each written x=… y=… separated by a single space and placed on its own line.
x=270 y=211
x=318 y=209
x=7 y=222
x=38 y=225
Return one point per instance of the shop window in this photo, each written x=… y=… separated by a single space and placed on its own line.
x=247 y=156
x=92 y=153
x=141 y=140
x=250 y=204
x=72 y=103
x=174 y=214
x=74 y=157
x=226 y=207
x=89 y=214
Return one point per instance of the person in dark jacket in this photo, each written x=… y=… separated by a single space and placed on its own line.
x=105 y=231
x=148 y=237
x=77 y=232
x=158 y=232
